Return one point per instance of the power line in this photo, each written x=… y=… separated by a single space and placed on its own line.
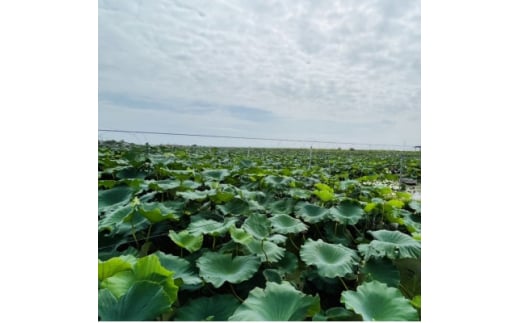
x=248 y=138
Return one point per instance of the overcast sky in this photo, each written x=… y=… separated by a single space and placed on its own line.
x=346 y=71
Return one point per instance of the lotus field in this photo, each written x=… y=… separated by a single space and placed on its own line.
x=195 y=234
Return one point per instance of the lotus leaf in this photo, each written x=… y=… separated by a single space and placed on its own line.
x=186 y=240
x=218 y=268
x=283 y=223
x=240 y=235
x=331 y=260
x=282 y=206
x=156 y=212
x=382 y=270
x=144 y=301
x=215 y=174
x=347 y=212
x=391 y=244
x=113 y=266
x=114 y=197
x=181 y=269
x=235 y=207
x=277 y=302
x=278 y=182
x=214 y=308
x=311 y=213
x=211 y=227
x=257 y=225
x=266 y=248
x=375 y=301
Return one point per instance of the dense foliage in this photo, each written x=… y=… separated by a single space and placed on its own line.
x=194 y=233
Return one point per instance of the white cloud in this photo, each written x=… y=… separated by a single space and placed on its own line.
x=354 y=63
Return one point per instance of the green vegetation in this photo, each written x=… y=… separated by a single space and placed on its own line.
x=195 y=233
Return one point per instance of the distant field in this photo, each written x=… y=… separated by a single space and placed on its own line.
x=195 y=233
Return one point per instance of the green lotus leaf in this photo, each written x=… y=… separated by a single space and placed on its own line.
x=324 y=192
x=114 y=218
x=378 y=200
x=255 y=206
x=416 y=301
x=282 y=206
x=190 y=185
x=410 y=270
x=346 y=184
x=113 y=266
x=375 y=301
x=211 y=227
x=215 y=174
x=157 y=160
x=256 y=171
x=182 y=175
x=324 y=196
x=186 y=240
x=218 y=268
x=370 y=206
x=176 y=207
x=283 y=223
x=391 y=244
x=338 y=233
x=107 y=183
x=235 y=207
x=393 y=215
x=135 y=183
x=156 y=212
x=331 y=260
x=130 y=173
x=277 y=302
x=288 y=263
x=214 y=308
x=222 y=196
x=150 y=268
x=181 y=268
x=164 y=185
x=246 y=163
x=415 y=205
x=411 y=221
x=257 y=225
x=272 y=275
x=263 y=248
x=347 y=212
x=336 y=314
x=147 y=268
x=148 y=197
x=311 y=213
x=251 y=195
x=277 y=182
x=368 y=178
x=324 y=187
x=119 y=283
x=404 y=196
x=300 y=194
x=277 y=238
x=144 y=301
x=382 y=270
x=240 y=235
x=114 y=197
x=395 y=203
x=384 y=191
x=195 y=195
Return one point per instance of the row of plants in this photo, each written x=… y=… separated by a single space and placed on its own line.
x=194 y=233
